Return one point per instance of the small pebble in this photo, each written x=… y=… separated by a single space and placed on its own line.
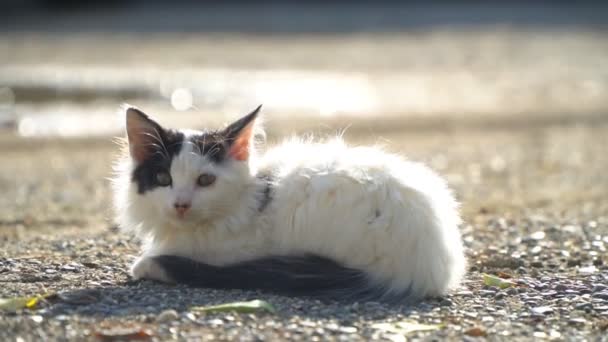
x=573 y=262
x=167 y=316
x=599 y=288
x=348 y=330
x=470 y=314
x=542 y=310
x=90 y=264
x=587 y=270
x=215 y=321
x=499 y=295
x=601 y=295
x=577 y=321
x=583 y=306
x=538 y=235
x=445 y=302
x=512 y=291
x=37 y=318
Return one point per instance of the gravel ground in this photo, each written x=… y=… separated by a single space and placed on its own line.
x=535 y=203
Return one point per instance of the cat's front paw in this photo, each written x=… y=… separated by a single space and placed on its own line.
x=148 y=268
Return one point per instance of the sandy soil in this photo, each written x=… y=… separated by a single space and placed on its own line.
x=535 y=203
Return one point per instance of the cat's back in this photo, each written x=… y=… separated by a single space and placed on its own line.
x=333 y=162
x=303 y=157
x=368 y=209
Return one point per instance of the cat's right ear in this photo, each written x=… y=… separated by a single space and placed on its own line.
x=239 y=135
x=143 y=133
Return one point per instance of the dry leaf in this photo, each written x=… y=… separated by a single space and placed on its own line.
x=406 y=327
x=121 y=334
x=476 y=332
x=243 y=307
x=504 y=275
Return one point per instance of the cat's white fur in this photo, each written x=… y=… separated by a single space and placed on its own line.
x=365 y=208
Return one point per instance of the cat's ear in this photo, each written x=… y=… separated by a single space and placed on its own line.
x=143 y=133
x=239 y=136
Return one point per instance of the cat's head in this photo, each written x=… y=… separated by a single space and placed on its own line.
x=182 y=178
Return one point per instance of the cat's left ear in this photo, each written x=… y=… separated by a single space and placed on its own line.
x=239 y=135
x=145 y=136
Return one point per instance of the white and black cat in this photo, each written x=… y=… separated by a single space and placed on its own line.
x=303 y=218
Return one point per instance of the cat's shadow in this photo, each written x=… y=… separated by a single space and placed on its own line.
x=151 y=298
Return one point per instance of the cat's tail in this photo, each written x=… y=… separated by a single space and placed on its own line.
x=305 y=275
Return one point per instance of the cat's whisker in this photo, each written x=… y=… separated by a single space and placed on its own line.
x=213 y=152
x=158 y=150
x=176 y=143
x=161 y=153
x=158 y=139
x=199 y=148
x=204 y=141
x=161 y=140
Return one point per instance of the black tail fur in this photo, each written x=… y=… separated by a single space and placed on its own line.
x=307 y=275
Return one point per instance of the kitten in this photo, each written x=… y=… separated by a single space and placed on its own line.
x=303 y=218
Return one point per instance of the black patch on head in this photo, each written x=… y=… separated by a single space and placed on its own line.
x=159 y=160
x=212 y=144
x=216 y=144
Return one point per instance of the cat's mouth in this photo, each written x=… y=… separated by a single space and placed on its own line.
x=187 y=223
x=187 y=218
x=182 y=217
x=180 y=222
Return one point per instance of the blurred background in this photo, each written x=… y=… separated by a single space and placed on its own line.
x=506 y=99
x=66 y=66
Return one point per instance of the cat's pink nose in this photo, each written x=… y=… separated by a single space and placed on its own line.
x=181 y=208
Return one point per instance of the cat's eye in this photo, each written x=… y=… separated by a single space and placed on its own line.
x=163 y=179
x=205 y=179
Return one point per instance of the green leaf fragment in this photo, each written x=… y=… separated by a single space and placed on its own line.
x=491 y=280
x=242 y=307
x=18 y=303
x=406 y=327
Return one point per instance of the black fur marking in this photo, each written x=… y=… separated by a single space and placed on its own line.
x=211 y=144
x=306 y=275
x=266 y=197
x=215 y=144
x=158 y=160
